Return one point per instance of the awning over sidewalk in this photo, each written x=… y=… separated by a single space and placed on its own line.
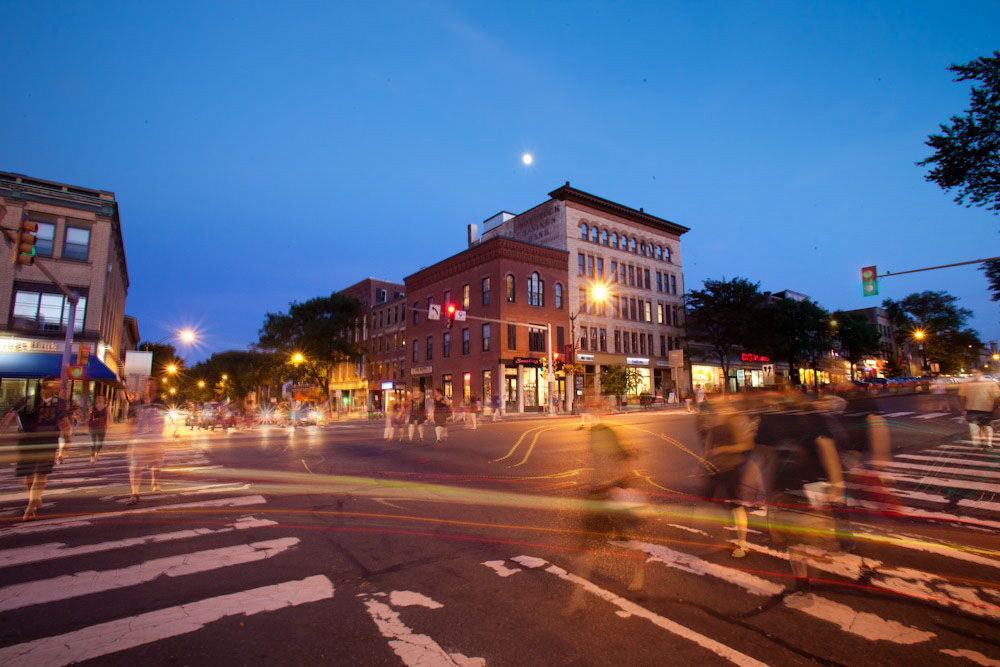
x=31 y=365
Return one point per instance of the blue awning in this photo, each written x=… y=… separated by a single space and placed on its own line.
x=32 y=365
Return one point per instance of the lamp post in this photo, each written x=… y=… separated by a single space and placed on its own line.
x=598 y=296
x=919 y=335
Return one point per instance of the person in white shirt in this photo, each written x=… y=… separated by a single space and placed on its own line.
x=978 y=397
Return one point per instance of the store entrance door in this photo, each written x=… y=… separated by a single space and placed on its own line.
x=510 y=392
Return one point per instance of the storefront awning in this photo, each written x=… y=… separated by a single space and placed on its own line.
x=30 y=365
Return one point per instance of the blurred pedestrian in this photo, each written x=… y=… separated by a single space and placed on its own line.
x=44 y=425
x=496 y=407
x=474 y=407
x=418 y=415
x=442 y=411
x=391 y=417
x=728 y=443
x=146 y=445
x=97 y=424
x=978 y=397
x=941 y=396
x=699 y=394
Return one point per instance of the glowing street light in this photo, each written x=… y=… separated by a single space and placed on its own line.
x=171 y=369
x=919 y=334
x=201 y=384
x=599 y=293
x=225 y=377
x=187 y=336
x=298 y=358
x=173 y=391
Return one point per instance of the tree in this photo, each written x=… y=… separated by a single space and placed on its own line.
x=941 y=323
x=856 y=337
x=322 y=329
x=797 y=331
x=966 y=154
x=724 y=315
x=619 y=380
x=164 y=354
x=244 y=371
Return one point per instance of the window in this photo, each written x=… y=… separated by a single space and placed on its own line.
x=649 y=312
x=49 y=311
x=618 y=309
x=593 y=338
x=465 y=297
x=559 y=295
x=487 y=386
x=635 y=342
x=618 y=341
x=536 y=339
x=590 y=266
x=465 y=341
x=659 y=281
x=602 y=339
x=581 y=264
x=430 y=348
x=670 y=343
x=649 y=343
x=666 y=253
x=593 y=234
x=446 y=385
x=659 y=252
x=624 y=308
x=614 y=271
x=663 y=346
x=584 y=231
x=626 y=348
x=645 y=273
x=446 y=344
x=416 y=351
x=486 y=338
x=604 y=237
x=631 y=275
x=511 y=336
x=642 y=248
x=642 y=344
x=631 y=244
x=416 y=313
x=633 y=312
x=677 y=316
x=600 y=268
x=614 y=239
x=45 y=239
x=76 y=245
x=560 y=338
x=673 y=284
x=536 y=290
x=511 y=293
x=430 y=302
x=486 y=291
x=583 y=338
x=447 y=297
x=659 y=313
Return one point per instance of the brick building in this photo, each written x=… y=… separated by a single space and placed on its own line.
x=79 y=239
x=637 y=257
x=510 y=290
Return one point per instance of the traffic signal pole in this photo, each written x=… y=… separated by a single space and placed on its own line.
x=888 y=274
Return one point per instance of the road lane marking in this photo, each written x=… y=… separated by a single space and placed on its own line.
x=500 y=567
x=531 y=448
x=974 y=656
x=29 y=593
x=53 y=550
x=415 y=650
x=59 y=523
x=898 y=414
x=969 y=472
x=941 y=482
x=932 y=415
x=517 y=444
x=106 y=638
x=952 y=460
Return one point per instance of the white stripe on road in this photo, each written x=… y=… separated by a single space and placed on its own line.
x=932 y=415
x=632 y=608
x=53 y=550
x=413 y=649
x=897 y=414
x=221 y=487
x=974 y=656
x=60 y=523
x=125 y=633
x=68 y=586
x=23 y=495
x=975 y=449
x=971 y=472
x=860 y=623
x=942 y=482
x=952 y=460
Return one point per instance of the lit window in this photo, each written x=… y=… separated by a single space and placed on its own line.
x=536 y=290
x=559 y=295
x=465 y=297
x=511 y=293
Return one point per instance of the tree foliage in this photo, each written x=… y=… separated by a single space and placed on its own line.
x=796 y=331
x=856 y=337
x=724 y=315
x=937 y=314
x=322 y=329
x=245 y=371
x=619 y=380
x=164 y=354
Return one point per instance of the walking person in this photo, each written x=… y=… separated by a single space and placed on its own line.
x=97 y=424
x=978 y=397
x=496 y=407
x=146 y=445
x=728 y=439
x=44 y=423
x=941 y=396
x=418 y=415
x=442 y=411
x=391 y=417
x=474 y=408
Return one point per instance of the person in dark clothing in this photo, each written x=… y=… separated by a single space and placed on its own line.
x=43 y=419
x=97 y=424
x=418 y=415
x=442 y=410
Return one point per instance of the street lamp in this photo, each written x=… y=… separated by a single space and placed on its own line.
x=298 y=358
x=599 y=295
x=920 y=335
x=225 y=377
x=201 y=384
x=171 y=369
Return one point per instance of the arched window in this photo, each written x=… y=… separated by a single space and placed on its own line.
x=659 y=252
x=584 y=230
x=604 y=237
x=559 y=296
x=666 y=253
x=631 y=244
x=511 y=293
x=642 y=248
x=614 y=239
x=593 y=234
x=536 y=290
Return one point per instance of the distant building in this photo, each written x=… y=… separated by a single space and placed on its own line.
x=80 y=240
x=889 y=349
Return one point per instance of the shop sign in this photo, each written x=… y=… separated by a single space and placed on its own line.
x=660 y=363
x=388 y=385
x=676 y=358
x=28 y=345
x=421 y=370
x=637 y=361
x=527 y=361
x=750 y=356
x=584 y=357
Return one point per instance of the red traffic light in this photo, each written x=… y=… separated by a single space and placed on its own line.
x=451 y=309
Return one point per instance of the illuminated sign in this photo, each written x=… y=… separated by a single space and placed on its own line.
x=527 y=361
x=388 y=385
x=584 y=357
x=421 y=370
x=749 y=356
x=28 y=345
x=637 y=361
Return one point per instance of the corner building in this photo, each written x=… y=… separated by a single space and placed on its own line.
x=511 y=291
x=637 y=256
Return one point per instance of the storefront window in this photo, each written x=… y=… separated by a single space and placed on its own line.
x=446 y=385
x=487 y=388
x=709 y=377
x=467 y=387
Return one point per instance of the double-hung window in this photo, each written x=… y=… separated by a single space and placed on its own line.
x=536 y=339
x=486 y=338
x=77 y=243
x=45 y=239
x=486 y=291
x=446 y=344
x=465 y=341
x=50 y=312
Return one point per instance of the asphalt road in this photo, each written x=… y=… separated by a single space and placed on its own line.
x=329 y=545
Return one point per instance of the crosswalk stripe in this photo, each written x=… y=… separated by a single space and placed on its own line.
x=125 y=633
x=17 y=596
x=60 y=523
x=898 y=414
x=222 y=487
x=52 y=550
x=632 y=608
x=980 y=505
x=951 y=470
x=926 y=480
x=952 y=460
x=932 y=415
x=864 y=624
x=414 y=650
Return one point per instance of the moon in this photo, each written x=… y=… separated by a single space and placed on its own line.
x=527 y=159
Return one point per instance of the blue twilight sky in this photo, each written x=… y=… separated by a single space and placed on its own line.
x=267 y=152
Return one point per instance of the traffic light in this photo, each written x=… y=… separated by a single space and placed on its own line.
x=83 y=355
x=24 y=243
x=449 y=315
x=557 y=362
x=869 y=281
